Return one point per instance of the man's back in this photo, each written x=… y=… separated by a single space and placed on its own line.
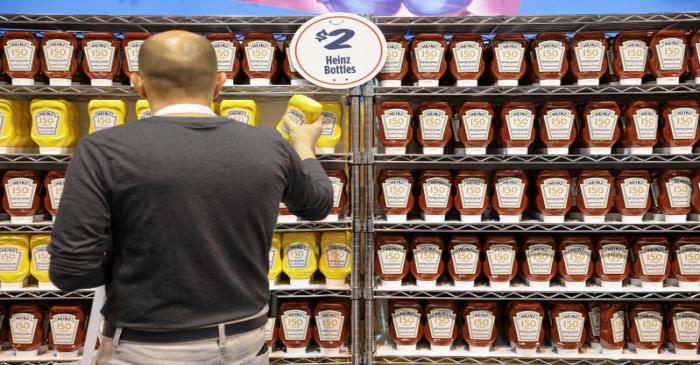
x=191 y=205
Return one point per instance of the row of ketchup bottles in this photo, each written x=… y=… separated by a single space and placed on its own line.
x=339 y=182
x=28 y=326
x=546 y=59
x=103 y=57
x=595 y=193
x=24 y=191
x=295 y=322
x=647 y=261
x=525 y=325
x=595 y=127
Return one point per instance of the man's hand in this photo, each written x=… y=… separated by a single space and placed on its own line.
x=303 y=137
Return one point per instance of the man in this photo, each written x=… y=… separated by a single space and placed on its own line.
x=175 y=214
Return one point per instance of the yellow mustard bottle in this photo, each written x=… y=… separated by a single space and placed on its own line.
x=275 y=259
x=39 y=268
x=336 y=257
x=143 y=109
x=15 y=126
x=54 y=126
x=332 y=117
x=14 y=260
x=299 y=261
x=105 y=114
x=244 y=111
x=300 y=109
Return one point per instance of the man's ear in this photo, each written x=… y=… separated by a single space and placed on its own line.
x=220 y=80
x=138 y=84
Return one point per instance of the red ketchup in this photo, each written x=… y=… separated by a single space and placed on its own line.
x=434 y=126
x=406 y=324
x=500 y=266
x=441 y=324
x=395 y=129
x=588 y=62
x=21 y=57
x=26 y=328
x=538 y=262
x=427 y=265
x=332 y=317
x=396 y=66
x=550 y=58
x=131 y=47
x=464 y=263
x=260 y=58
x=508 y=63
x=100 y=58
x=21 y=199
x=227 y=55
x=295 y=325
x=466 y=59
x=59 y=62
x=668 y=56
x=435 y=198
x=53 y=183
x=396 y=196
x=67 y=329
x=391 y=259
x=428 y=58
x=475 y=130
x=471 y=198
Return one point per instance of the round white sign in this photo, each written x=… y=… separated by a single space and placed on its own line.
x=338 y=50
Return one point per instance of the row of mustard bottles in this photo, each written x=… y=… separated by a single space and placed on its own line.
x=54 y=124
x=297 y=255
x=22 y=255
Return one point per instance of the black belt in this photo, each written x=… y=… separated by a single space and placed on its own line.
x=195 y=334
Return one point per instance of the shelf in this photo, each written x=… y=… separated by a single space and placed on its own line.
x=36 y=293
x=386 y=354
x=312 y=357
x=537 y=227
x=533 y=24
x=519 y=291
x=283 y=290
x=154 y=24
x=87 y=92
x=536 y=92
x=541 y=161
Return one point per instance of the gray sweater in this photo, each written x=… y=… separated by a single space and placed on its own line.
x=176 y=215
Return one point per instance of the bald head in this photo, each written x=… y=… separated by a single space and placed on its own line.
x=177 y=66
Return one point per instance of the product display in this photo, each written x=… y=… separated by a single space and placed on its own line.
x=100 y=58
x=105 y=114
x=59 y=62
x=244 y=111
x=260 y=58
x=15 y=134
x=54 y=126
x=227 y=55
x=21 y=57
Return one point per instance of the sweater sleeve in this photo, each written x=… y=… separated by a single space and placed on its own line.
x=309 y=193
x=81 y=233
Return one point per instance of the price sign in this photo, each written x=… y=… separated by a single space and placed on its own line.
x=338 y=50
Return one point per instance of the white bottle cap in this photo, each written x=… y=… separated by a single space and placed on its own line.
x=588 y=82
x=429 y=83
x=683 y=284
x=286 y=219
x=632 y=218
x=553 y=218
x=331 y=218
x=470 y=218
x=426 y=284
x=433 y=150
x=390 y=83
x=646 y=352
x=459 y=284
x=550 y=82
x=395 y=151
x=632 y=81
x=594 y=218
x=527 y=352
x=406 y=348
x=506 y=218
x=641 y=150
x=467 y=83
x=567 y=351
x=296 y=351
x=54 y=81
x=20 y=81
x=26 y=354
x=675 y=218
x=391 y=284
x=101 y=82
x=330 y=351
x=434 y=218
x=599 y=150
x=611 y=352
x=507 y=83
x=516 y=150
x=556 y=150
x=499 y=284
x=17 y=285
x=259 y=82
x=474 y=151
x=667 y=80
x=440 y=348
x=21 y=220
x=610 y=284
x=335 y=283
x=299 y=82
x=479 y=349
x=685 y=352
x=396 y=217
x=325 y=150
x=300 y=282
x=652 y=284
x=575 y=284
x=538 y=284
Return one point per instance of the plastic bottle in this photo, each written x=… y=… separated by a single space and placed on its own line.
x=391 y=259
x=100 y=58
x=244 y=111
x=396 y=65
x=39 y=267
x=15 y=126
x=440 y=327
x=336 y=257
x=54 y=126
x=59 y=61
x=143 y=109
x=21 y=57
x=395 y=130
x=105 y=114
x=300 y=110
x=299 y=261
x=26 y=329
x=227 y=59
x=295 y=325
x=67 y=329
x=260 y=58
x=21 y=199
x=339 y=181
x=332 y=118
x=14 y=260
x=332 y=327
x=274 y=259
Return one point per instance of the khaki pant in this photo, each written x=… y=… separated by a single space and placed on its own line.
x=243 y=349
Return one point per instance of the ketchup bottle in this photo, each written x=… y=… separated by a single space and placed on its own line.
x=595 y=192
x=668 y=61
x=557 y=126
x=332 y=317
x=290 y=70
x=440 y=328
x=641 y=127
x=517 y=127
x=475 y=131
x=53 y=183
x=427 y=265
x=554 y=198
x=684 y=267
x=612 y=328
x=680 y=127
x=131 y=47
x=396 y=66
x=524 y=326
x=500 y=266
x=67 y=328
x=434 y=126
x=260 y=58
x=396 y=196
x=568 y=327
x=613 y=263
x=508 y=63
x=405 y=327
x=632 y=199
x=391 y=263
x=675 y=192
x=227 y=50
x=395 y=127
x=538 y=260
x=631 y=57
x=510 y=199
x=650 y=256
x=589 y=63
x=100 y=58
x=471 y=198
x=21 y=199
x=694 y=62
x=575 y=266
x=480 y=328
x=26 y=328
x=464 y=262
x=600 y=129
x=340 y=196
x=428 y=58
x=295 y=323
x=646 y=328
x=683 y=329
x=21 y=57
x=435 y=194
x=60 y=57
x=466 y=59
x=550 y=58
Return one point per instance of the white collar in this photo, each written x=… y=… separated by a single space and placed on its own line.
x=185 y=109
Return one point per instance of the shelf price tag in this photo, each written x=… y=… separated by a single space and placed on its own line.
x=338 y=50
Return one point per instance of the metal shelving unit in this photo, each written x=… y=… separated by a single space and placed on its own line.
x=238 y=25
x=378 y=350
